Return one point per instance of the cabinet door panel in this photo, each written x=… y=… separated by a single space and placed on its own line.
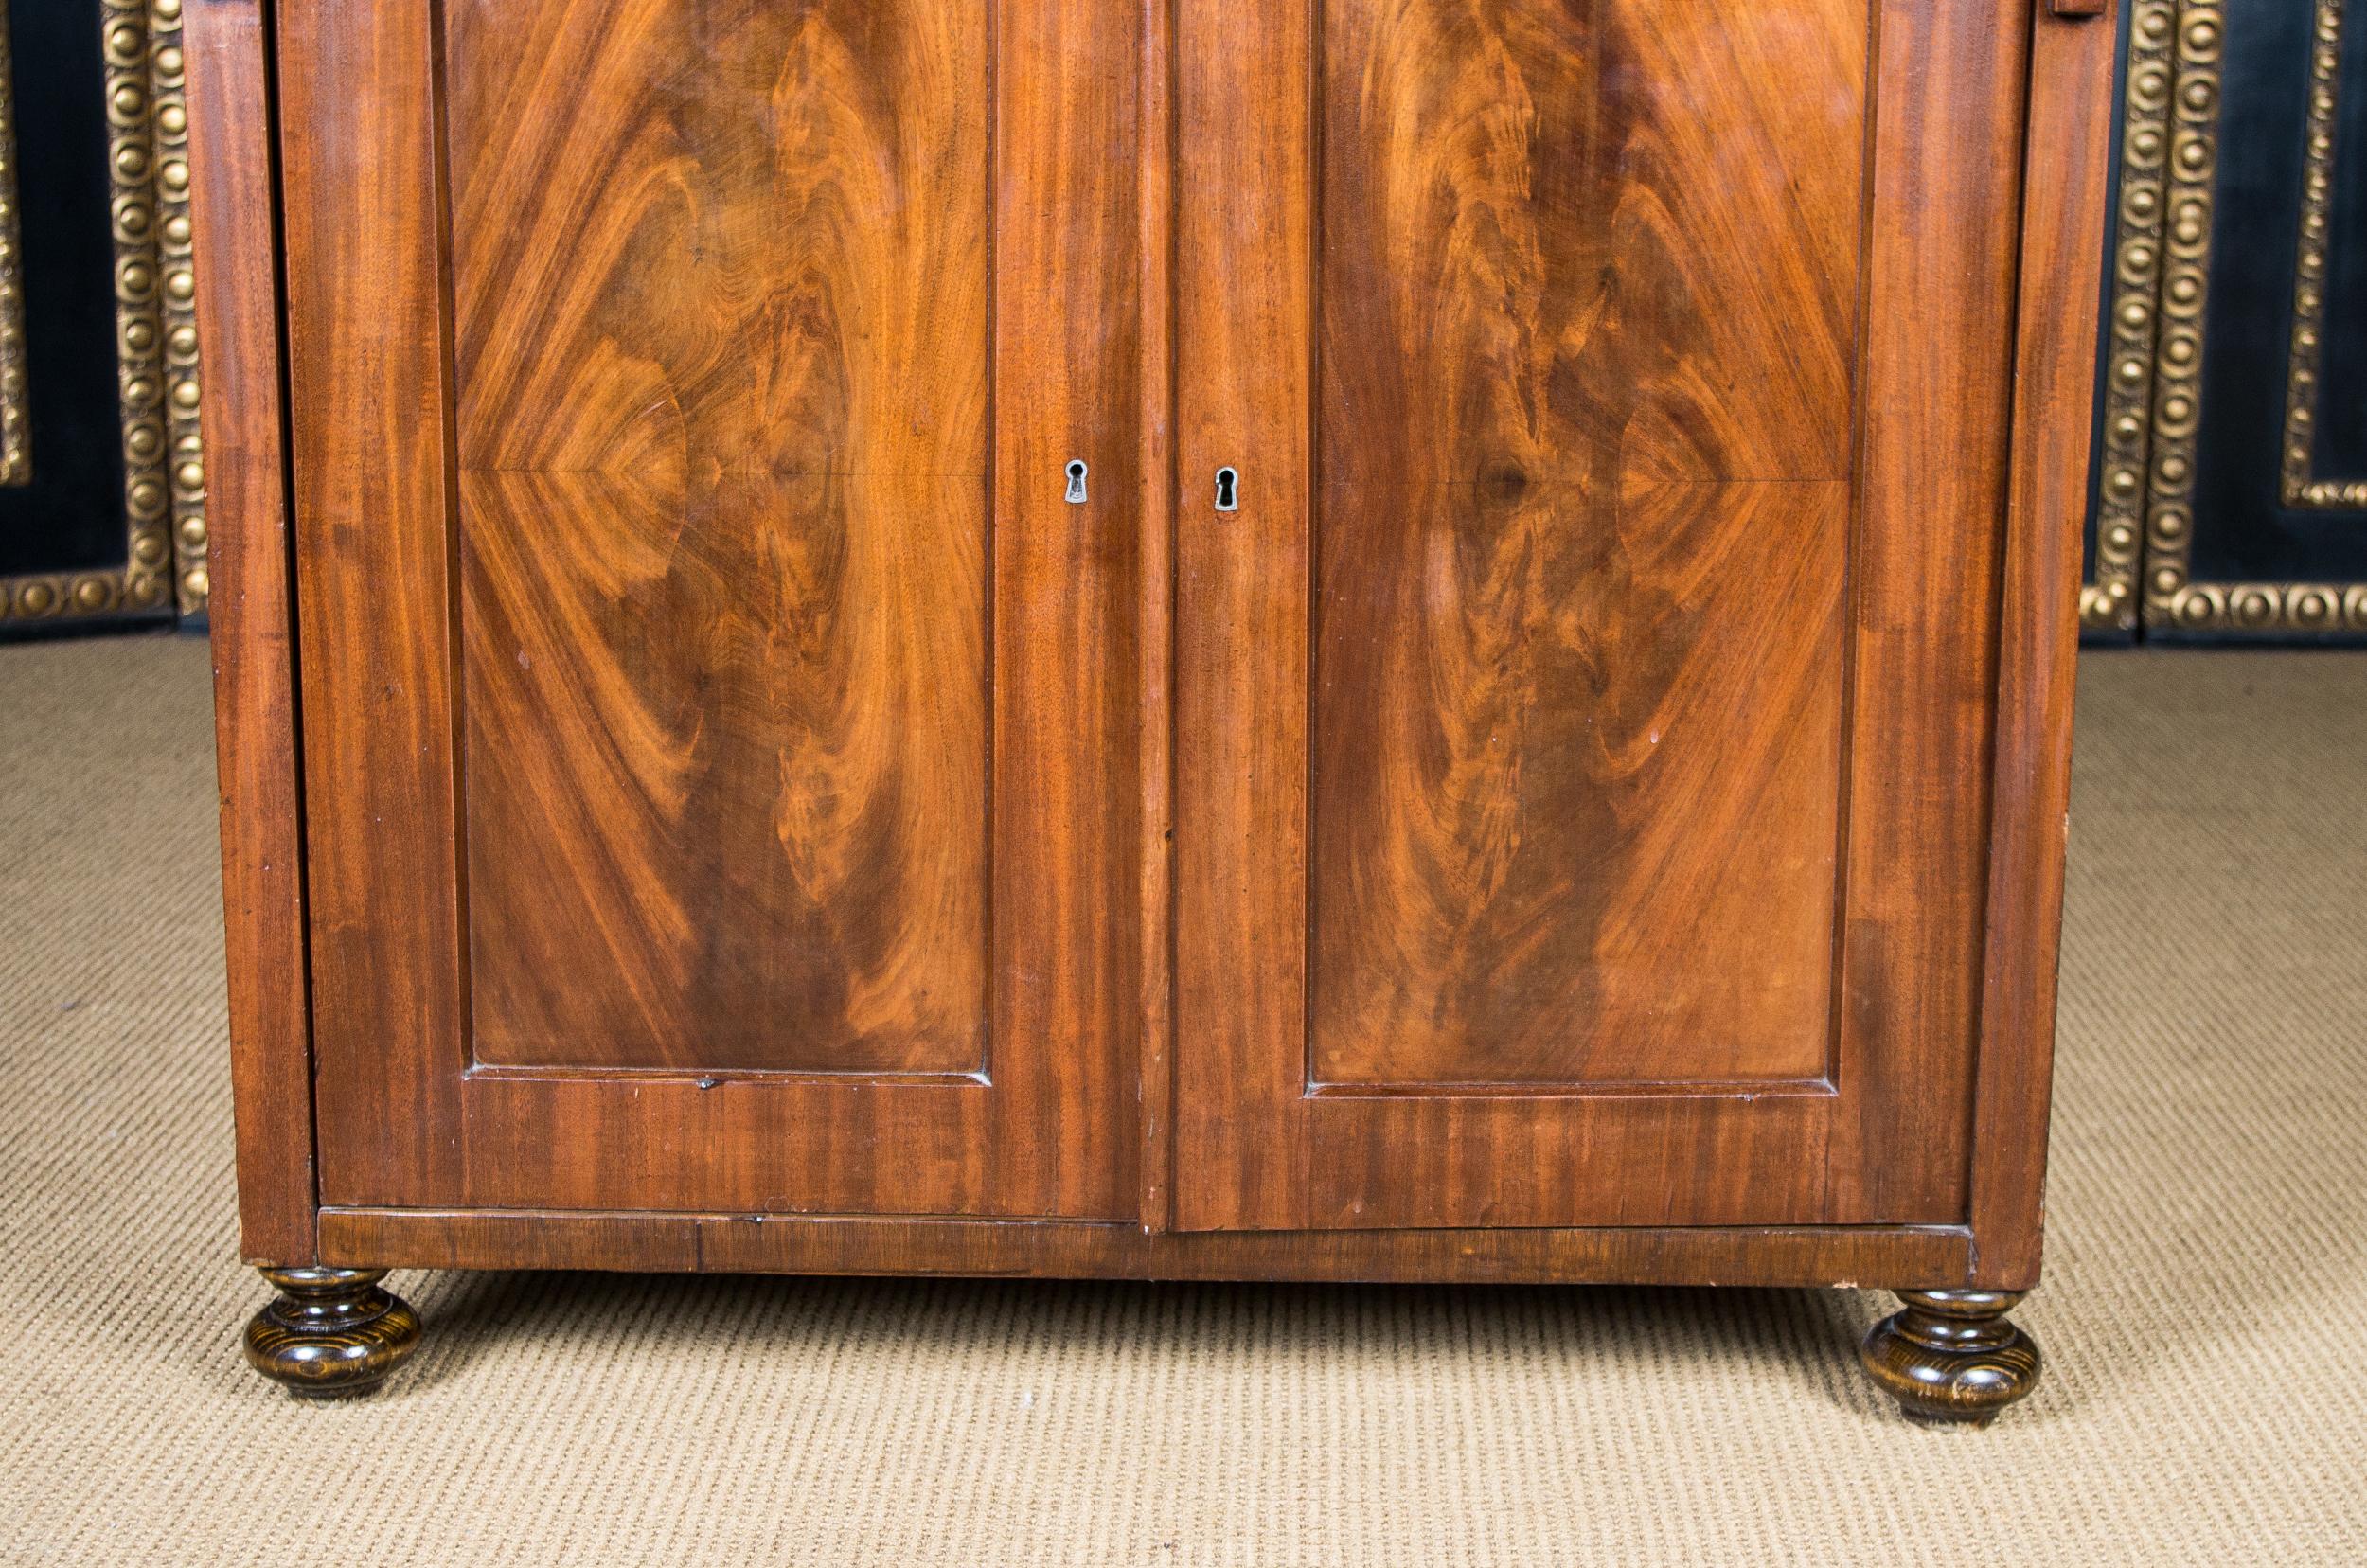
x=1577 y=674
x=723 y=359
x=1582 y=740
x=719 y=728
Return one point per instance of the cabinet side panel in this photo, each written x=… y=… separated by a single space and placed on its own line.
x=2066 y=184
x=370 y=428
x=1936 y=377
x=262 y=861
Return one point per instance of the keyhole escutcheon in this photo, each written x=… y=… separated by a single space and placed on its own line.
x=1077 y=481
x=1228 y=489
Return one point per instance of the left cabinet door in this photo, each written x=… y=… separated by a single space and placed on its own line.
x=720 y=738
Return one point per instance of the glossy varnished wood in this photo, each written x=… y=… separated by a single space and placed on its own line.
x=2065 y=206
x=1942 y=250
x=370 y=444
x=1583 y=725
x=710 y=676
x=330 y=1333
x=253 y=627
x=723 y=356
x=1576 y=621
x=1953 y=1356
x=1340 y=646
x=722 y=1243
x=1156 y=479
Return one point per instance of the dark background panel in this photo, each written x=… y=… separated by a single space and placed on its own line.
x=2242 y=532
x=2341 y=445
x=71 y=515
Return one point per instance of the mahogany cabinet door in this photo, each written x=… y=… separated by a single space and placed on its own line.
x=719 y=720
x=1583 y=721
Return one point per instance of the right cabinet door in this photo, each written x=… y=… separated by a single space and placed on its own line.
x=1583 y=716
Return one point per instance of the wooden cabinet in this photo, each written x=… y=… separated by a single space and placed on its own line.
x=1271 y=640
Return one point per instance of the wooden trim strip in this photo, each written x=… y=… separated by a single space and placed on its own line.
x=1156 y=412
x=234 y=225
x=1887 y=1256
x=2066 y=177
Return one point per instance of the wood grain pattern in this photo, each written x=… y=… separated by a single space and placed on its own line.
x=1642 y=537
x=330 y=1333
x=666 y=666
x=1156 y=481
x=727 y=1243
x=1694 y=385
x=1935 y=380
x=366 y=374
x=1953 y=1356
x=2066 y=190
x=1243 y=249
x=1577 y=620
x=253 y=630
x=723 y=350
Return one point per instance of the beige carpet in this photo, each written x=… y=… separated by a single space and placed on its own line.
x=2206 y=1399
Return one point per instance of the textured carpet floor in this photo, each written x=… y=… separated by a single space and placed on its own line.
x=2206 y=1399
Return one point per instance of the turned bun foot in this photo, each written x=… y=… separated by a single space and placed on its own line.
x=1953 y=1356
x=331 y=1333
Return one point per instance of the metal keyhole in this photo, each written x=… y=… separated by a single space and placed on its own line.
x=1228 y=491
x=1075 y=482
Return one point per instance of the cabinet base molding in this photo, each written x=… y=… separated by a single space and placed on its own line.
x=1949 y=1355
x=1874 y=1255
x=330 y=1333
x=1953 y=1356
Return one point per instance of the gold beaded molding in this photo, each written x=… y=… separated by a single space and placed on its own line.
x=164 y=471
x=2172 y=599
x=2109 y=603
x=16 y=459
x=2302 y=489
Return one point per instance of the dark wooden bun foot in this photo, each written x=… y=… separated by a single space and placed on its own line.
x=1950 y=1356
x=330 y=1333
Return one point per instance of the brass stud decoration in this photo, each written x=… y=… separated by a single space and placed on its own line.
x=16 y=459
x=2109 y=603
x=2300 y=489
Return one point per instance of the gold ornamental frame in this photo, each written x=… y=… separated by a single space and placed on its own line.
x=2302 y=489
x=163 y=471
x=2110 y=602
x=15 y=460
x=2160 y=302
